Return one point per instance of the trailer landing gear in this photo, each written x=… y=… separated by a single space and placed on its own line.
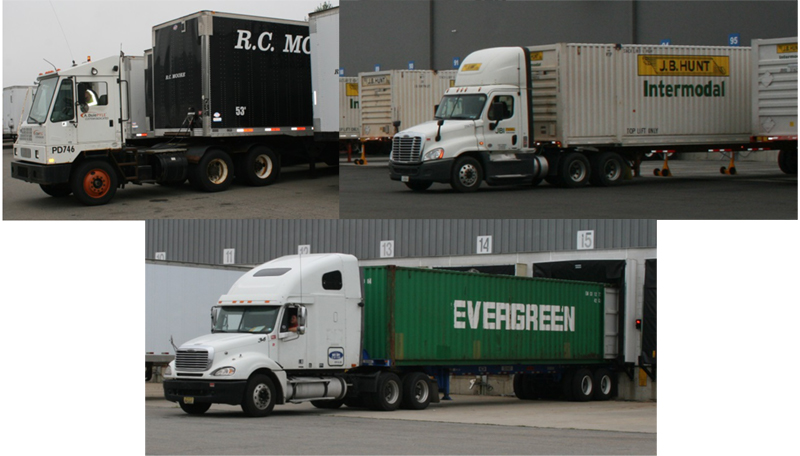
x=664 y=172
x=731 y=169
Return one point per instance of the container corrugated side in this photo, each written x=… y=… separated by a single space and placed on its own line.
x=433 y=317
x=592 y=94
x=349 y=110
x=774 y=87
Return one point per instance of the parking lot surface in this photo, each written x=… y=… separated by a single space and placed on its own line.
x=696 y=190
x=298 y=194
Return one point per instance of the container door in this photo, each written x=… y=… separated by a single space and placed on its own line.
x=98 y=112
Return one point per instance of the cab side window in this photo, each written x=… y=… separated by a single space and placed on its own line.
x=508 y=107
x=332 y=280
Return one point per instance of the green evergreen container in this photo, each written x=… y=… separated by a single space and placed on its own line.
x=435 y=317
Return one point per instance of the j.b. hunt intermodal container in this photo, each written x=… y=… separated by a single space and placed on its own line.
x=430 y=317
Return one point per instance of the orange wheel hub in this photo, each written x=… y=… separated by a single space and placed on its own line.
x=96 y=183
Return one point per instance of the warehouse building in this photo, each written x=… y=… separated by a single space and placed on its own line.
x=190 y=263
x=436 y=35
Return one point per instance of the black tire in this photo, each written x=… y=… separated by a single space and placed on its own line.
x=604 y=384
x=334 y=404
x=419 y=186
x=259 y=396
x=608 y=169
x=582 y=385
x=94 y=182
x=259 y=167
x=195 y=409
x=467 y=175
x=389 y=394
x=787 y=161
x=574 y=170
x=524 y=386
x=57 y=190
x=416 y=391
x=213 y=173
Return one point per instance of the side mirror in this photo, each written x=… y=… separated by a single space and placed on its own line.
x=301 y=320
x=214 y=314
x=496 y=114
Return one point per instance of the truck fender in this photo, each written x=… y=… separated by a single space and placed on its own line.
x=195 y=153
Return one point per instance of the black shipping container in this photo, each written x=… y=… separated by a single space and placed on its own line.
x=242 y=72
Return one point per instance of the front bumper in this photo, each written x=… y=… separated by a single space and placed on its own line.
x=203 y=391
x=430 y=171
x=40 y=174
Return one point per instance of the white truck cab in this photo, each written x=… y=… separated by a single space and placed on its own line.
x=482 y=129
x=74 y=110
x=255 y=357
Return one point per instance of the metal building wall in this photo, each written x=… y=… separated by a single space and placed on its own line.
x=258 y=241
x=431 y=33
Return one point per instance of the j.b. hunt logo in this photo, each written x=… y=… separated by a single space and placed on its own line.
x=512 y=316
x=294 y=43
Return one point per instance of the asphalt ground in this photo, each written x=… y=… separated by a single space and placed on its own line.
x=298 y=194
x=619 y=416
x=696 y=190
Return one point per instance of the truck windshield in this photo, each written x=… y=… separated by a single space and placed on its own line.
x=41 y=101
x=246 y=319
x=461 y=107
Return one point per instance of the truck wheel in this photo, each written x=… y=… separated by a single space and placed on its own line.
x=419 y=186
x=603 y=384
x=56 y=190
x=467 y=175
x=574 y=171
x=608 y=169
x=582 y=385
x=259 y=167
x=94 y=182
x=522 y=387
x=195 y=409
x=214 y=172
x=416 y=391
x=259 y=396
x=388 y=395
x=787 y=161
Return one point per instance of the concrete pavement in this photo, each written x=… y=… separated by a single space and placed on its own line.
x=621 y=416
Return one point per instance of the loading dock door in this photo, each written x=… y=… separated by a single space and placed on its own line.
x=649 y=317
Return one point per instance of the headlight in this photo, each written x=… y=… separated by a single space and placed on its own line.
x=168 y=370
x=434 y=154
x=224 y=371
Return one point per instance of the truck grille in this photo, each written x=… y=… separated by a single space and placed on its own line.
x=26 y=134
x=193 y=360
x=406 y=149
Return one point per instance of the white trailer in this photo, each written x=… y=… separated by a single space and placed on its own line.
x=325 y=79
x=392 y=99
x=774 y=105
x=349 y=109
x=577 y=113
x=16 y=102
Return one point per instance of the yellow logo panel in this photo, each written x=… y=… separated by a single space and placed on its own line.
x=538 y=55
x=352 y=89
x=684 y=65
x=471 y=67
x=787 y=48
